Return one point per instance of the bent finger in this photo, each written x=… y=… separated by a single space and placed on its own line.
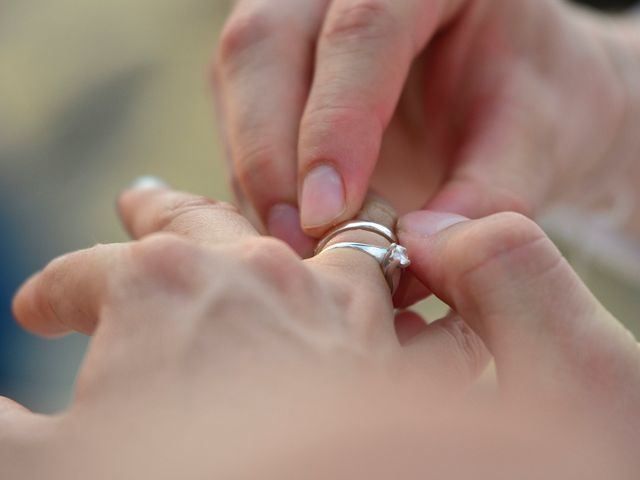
x=549 y=335
x=268 y=47
x=66 y=296
x=156 y=208
x=365 y=52
x=446 y=353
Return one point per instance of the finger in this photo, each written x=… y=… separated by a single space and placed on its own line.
x=9 y=407
x=447 y=353
x=410 y=291
x=365 y=52
x=67 y=294
x=152 y=207
x=349 y=268
x=263 y=72
x=74 y=291
x=409 y=325
x=549 y=335
x=355 y=265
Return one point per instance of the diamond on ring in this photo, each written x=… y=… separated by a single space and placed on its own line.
x=392 y=260
x=398 y=256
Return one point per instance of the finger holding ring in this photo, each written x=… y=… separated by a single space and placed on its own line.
x=373 y=235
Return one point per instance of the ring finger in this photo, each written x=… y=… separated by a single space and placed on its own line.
x=446 y=353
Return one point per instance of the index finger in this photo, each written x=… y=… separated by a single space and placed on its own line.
x=365 y=52
x=268 y=45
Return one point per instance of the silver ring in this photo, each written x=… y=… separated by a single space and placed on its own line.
x=392 y=260
x=372 y=227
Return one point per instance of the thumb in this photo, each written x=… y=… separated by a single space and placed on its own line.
x=548 y=334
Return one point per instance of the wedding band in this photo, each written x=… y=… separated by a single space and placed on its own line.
x=392 y=260
x=371 y=227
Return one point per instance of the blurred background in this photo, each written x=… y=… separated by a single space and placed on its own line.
x=94 y=94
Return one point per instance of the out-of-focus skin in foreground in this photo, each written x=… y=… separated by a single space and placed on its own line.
x=218 y=353
x=467 y=106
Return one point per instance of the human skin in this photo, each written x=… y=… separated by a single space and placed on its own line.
x=221 y=354
x=466 y=106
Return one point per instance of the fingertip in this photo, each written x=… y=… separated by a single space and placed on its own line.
x=135 y=195
x=323 y=199
x=283 y=222
x=27 y=312
x=148 y=182
x=21 y=303
x=142 y=184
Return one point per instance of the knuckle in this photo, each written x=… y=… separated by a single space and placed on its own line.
x=184 y=209
x=166 y=260
x=276 y=262
x=503 y=243
x=257 y=168
x=362 y=20
x=504 y=232
x=243 y=32
x=330 y=111
x=326 y=113
x=517 y=222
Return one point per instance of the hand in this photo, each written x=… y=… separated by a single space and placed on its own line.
x=213 y=345
x=210 y=335
x=553 y=343
x=208 y=339
x=468 y=106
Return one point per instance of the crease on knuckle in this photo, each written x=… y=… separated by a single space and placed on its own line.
x=243 y=33
x=363 y=20
x=178 y=211
x=327 y=114
x=472 y=355
x=257 y=167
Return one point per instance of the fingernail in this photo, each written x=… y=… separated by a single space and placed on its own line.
x=323 y=197
x=426 y=223
x=148 y=182
x=284 y=223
